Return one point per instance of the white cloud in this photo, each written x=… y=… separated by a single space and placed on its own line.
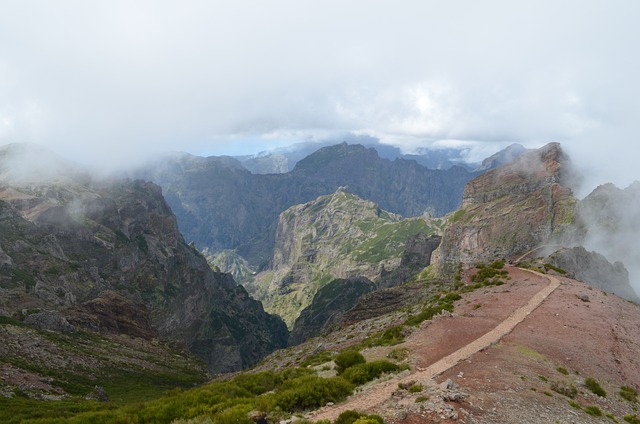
x=114 y=80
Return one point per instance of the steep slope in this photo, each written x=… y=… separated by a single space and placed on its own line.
x=510 y=210
x=608 y=221
x=334 y=236
x=327 y=308
x=221 y=206
x=108 y=257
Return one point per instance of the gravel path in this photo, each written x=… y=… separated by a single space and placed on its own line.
x=367 y=401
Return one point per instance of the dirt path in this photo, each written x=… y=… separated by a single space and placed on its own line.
x=367 y=401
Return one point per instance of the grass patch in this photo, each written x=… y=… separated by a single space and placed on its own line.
x=555 y=268
x=398 y=354
x=348 y=359
x=363 y=373
x=595 y=387
x=629 y=393
x=416 y=388
x=562 y=370
x=632 y=419
x=594 y=411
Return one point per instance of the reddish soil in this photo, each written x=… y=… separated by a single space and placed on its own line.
x=513 y=380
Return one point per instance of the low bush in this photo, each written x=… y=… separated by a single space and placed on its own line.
x=363 y=373
x=593 y=411
x=595 y=387
x=632 y=419
x=416 y=388
x=347 y=359
x=629 y=393
x=569 y=391
x=350 y=417
x=311 y=392
x=390 y=337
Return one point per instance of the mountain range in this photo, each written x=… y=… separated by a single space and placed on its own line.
x=405 y=266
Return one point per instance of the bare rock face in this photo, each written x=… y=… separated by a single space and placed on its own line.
x=510 y=209
x=328 y=307
x=108 y=256
x=595 y=270
x=335 y=236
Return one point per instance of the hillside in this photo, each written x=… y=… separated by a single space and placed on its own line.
x=511 y=209
x=107 y=257
x=517 y=347
x=333 y=236
x=219 y=205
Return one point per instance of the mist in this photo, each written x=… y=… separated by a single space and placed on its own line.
x=109 y=83
x=611 y=217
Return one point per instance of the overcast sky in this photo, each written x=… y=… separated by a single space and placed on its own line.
x=110 y=81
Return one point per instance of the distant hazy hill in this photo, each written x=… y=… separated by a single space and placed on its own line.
x=284 y=159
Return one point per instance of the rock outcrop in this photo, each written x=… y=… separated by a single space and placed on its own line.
x=220 y=205
x=328 y=307
x=595 y=270
x=334 y=236
x=608 y=221
x=510 y=210
x=108 y=256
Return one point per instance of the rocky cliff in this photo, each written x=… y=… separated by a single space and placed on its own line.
x=510 y=209
x=595 y=270
x=328 y=307
x=334 y=236
x=608 y=221
x=220 y=205
x=108 y=256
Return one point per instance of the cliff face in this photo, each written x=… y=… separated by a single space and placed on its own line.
x=595 y=270
x=108 y=256
x=220 y=205
x=510 y=209
x=608 y=221
x=334 y=236
x=328 y=307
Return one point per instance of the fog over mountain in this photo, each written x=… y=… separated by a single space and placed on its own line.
x=107 y=83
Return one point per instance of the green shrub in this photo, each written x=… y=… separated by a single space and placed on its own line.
x=362 y=373
x=347 y=359
x=593 y=411
x=391 y=337
x=574 y=404
x=595 y=387
x=421 y=399
x=629 y=393
x=311 y=392
x=562 y=370
x=350 y=417
x=238 y=414
x=499 y=264
x=555 y=268
x=398 y=354
x=416 y=388
x=318 y=358
x=427 y=314
x=258 y=383
x=569 y=391
x=632 y=419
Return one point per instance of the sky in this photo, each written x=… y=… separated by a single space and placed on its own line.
x=109 y=82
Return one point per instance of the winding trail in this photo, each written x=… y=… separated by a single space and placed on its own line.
x=367 y=401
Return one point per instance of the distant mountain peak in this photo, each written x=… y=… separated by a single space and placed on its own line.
x=502 y=157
